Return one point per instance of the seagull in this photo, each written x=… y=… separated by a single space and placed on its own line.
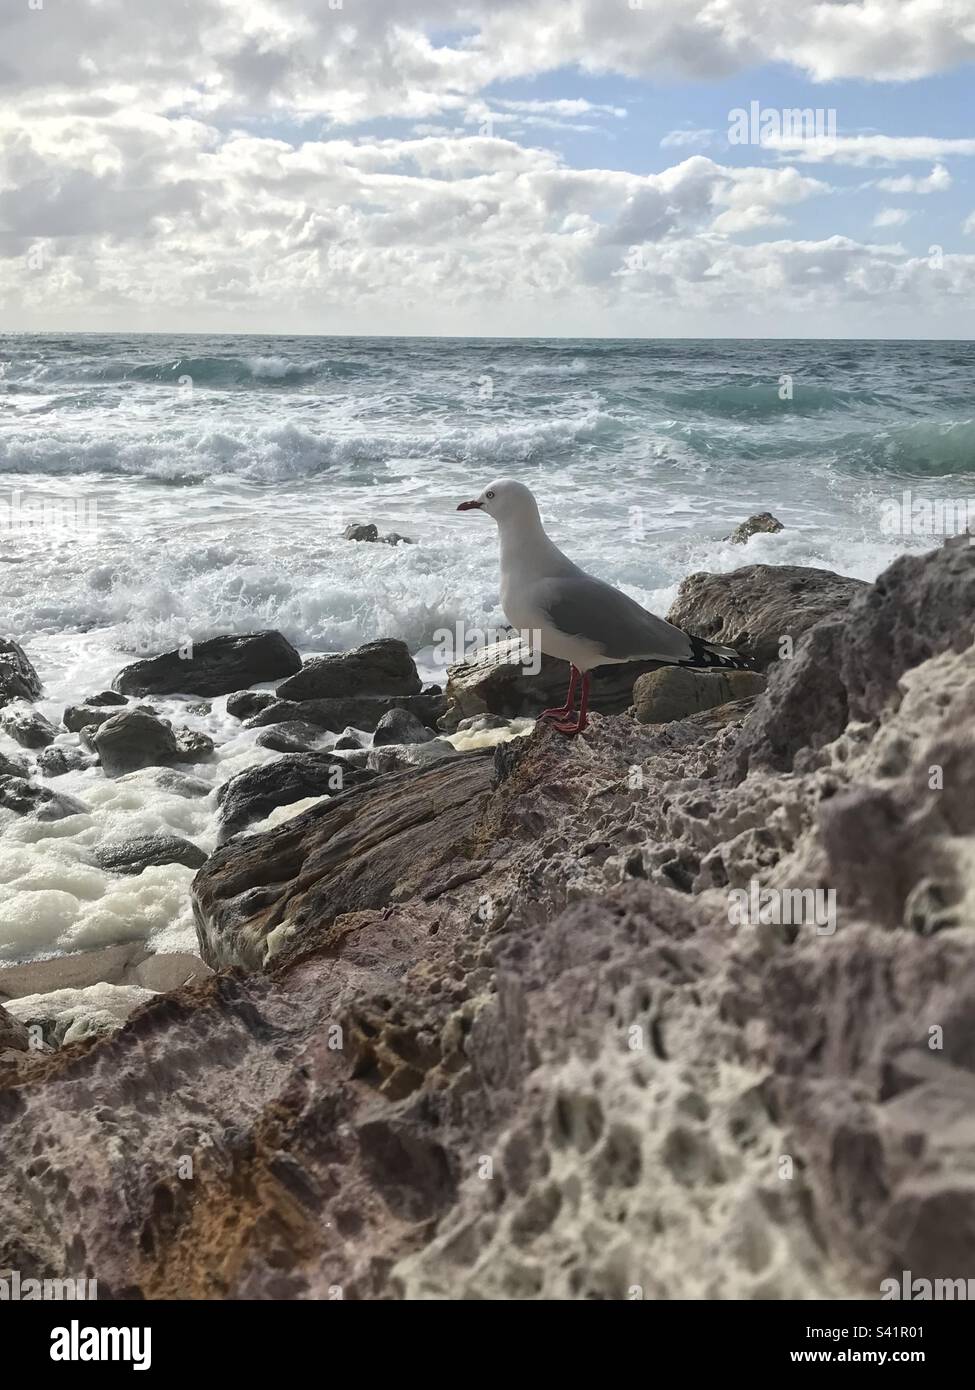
x=571 y=614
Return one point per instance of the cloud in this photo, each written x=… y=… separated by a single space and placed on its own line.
x=938 y=181
x=685 y=139
x=892 y=217
x=868 y=149
x=406 y=58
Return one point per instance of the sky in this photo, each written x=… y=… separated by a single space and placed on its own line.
x=736 y=168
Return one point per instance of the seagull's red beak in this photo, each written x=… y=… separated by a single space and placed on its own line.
x=469 y=506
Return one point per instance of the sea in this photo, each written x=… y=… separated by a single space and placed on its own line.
x=156 y=489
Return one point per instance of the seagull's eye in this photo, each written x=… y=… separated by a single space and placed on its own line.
x=489 y=496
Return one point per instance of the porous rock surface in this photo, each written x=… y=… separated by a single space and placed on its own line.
x=487 y=1029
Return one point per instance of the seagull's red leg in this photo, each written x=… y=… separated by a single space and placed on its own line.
x=565 y=726
x=570 y=699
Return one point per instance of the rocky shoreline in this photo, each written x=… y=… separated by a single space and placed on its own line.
x=470 y=1016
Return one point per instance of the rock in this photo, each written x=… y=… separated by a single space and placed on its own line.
x=674 y=692
x=215 y=667
x=754 y=608
x=200 y=707
x=400 y=726
x=192 y=746
x=761 y=521
x=245 y=703
x=144 y=851
x=378 y=668
x=128 y=963
x=27 y=726
x=13 y=767
x=26 y=799
x=55 y=762
x=253 y=794
x=497 y=682
x=850 y=667
x=78 y=717
x=375 y=843
x=369 y=531
x=295 y=736
x=168 y=779
x=133 y=740
x=104 y=697
x=13 y=1033
x=534 y=957
x=359 y=711
x=348 y=738
x=483 y=723
x=396 y=756
x=72 y=1015
x=18 y=679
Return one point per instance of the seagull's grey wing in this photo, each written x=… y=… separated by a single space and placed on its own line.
x=582 y=606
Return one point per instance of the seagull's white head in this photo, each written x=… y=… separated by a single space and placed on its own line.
x=506 y=500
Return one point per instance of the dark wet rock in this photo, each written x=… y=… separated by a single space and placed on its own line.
x=27 y=726
x=55 y=762
x=192 y=746
x=105 y=697
x=13 y=767
x=27 y=799
x=78 y=717
x=245 y=703
x=144 y=851
x=253 y=794
x=360 y=711
x=760 y=522
x=217 y=666
x=674 y=692
x=761 y=610
x=360 y=849
x=369 y=531
x=132 y=740
x=378 y=668
x=295 y=736
x=348 y=738
x=18 y=679
x=400 y=726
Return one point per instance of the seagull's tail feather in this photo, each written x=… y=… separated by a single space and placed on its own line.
x=708 y=655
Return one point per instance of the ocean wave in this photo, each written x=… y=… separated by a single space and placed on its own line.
x=762 y=400
x=927 y=448
x=270 y=453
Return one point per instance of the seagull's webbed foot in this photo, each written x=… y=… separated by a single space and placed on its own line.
x=570 y=727
x=556 y=714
